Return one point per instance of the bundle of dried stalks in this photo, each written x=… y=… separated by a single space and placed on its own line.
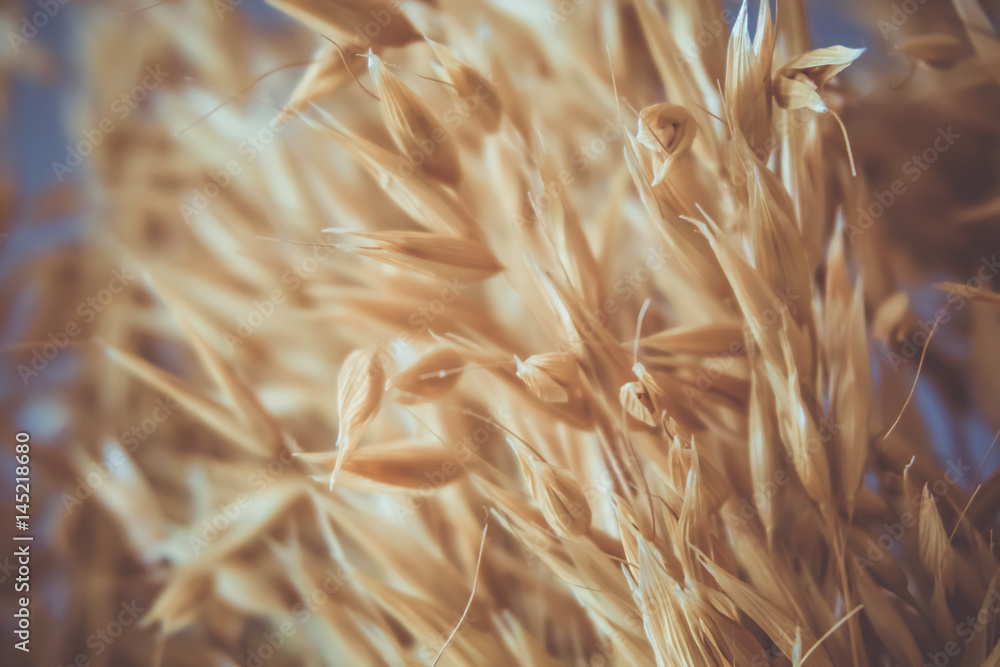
x=522 y=334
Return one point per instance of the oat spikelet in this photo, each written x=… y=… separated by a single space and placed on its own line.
x=548 y=375
x=391 y=466
x=472 y=87
x=748 y=77
x=557 y=493
x=432 y=376
x=636 y=400
x=420 y=136
x=350 y=17
x=426 y=253
x=933 y=539
x=359 y=395
x=668 y=131
x=799 y=82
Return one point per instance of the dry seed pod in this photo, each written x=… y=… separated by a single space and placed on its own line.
x=636 y=401
x=421 y=137
x=668 y=130
x=803 y=442
x=773 y=620
x=547 y=375
x=772 y=224
x=476 y=91
x=799 y=82
x=933 y=543
x=699 y=340
x=653 y=589
x=359 y=394
x=406 y=465
x=748 y=78
x=563 y=502
x=764 y=466
x=646 y=379
x=557 y=493
x=431 y=377
x=641 y=399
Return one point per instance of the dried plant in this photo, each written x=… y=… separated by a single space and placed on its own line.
x=525 y=334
